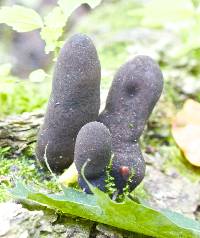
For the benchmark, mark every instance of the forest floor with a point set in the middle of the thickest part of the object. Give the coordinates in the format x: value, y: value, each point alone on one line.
x: 170, y: 181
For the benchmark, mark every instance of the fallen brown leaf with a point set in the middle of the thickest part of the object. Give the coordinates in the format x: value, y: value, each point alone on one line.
x: 186, y: 131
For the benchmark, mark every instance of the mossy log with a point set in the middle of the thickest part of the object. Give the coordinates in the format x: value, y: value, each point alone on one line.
x: 165, y: 188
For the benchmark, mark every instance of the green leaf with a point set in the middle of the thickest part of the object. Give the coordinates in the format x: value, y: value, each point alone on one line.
x: 20, y: 18
x: 69, y: 6
x: 53, y: 28
x: 55, y: 21
x: 128, y: 215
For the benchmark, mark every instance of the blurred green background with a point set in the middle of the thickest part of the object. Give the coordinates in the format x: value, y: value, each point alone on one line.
x: 168, y: 31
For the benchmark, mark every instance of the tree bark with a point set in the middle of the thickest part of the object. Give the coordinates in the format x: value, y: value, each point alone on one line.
x: 19, y: 132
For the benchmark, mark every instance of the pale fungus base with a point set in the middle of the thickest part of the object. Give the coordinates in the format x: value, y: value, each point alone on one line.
x: 70, y: 176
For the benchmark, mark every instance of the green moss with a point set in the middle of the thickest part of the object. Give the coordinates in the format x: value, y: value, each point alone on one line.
x: 18, y: 96
x: 111, y: 189
x: 110, y: 185
x: 26, y: 169
x: 4, y: 151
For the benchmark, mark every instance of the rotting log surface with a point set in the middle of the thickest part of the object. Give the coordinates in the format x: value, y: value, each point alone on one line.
x: 18, y: 222
x: 19, y: 132
x: 166, y: 188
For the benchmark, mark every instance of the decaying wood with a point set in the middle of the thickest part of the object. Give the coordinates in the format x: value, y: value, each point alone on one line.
x: 19, y: 132
x: 17, y: 222
x: 166, y: 189
x: 169, y: 189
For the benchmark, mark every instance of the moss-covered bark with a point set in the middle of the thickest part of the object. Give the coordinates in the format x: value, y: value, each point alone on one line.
x: 163, y: 188
x: 19, y: 132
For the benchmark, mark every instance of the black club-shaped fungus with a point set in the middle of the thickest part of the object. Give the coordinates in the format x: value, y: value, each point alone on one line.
x: 135, y: 90
x: 74, y: 101
x: 93, y: 149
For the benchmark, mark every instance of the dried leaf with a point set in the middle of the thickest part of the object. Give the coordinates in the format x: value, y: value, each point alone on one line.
x: 186, y: 131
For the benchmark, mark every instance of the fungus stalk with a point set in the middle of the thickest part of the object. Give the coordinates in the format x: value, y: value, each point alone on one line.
x: 134, y: 92
x: 74, y: 101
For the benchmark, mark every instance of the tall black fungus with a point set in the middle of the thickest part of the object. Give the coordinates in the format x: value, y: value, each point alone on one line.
x: 74, y: 101
x: 93, y: 148
x: 134, y: 92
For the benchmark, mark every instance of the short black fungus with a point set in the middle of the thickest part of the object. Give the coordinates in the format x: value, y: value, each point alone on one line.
x: 74, y: 101
x: 135, y: 90
x: 93, y: 149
